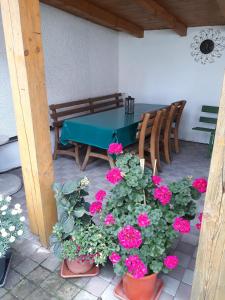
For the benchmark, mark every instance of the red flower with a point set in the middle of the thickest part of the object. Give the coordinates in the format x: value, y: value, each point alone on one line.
x: 163, y: 194
x: 109, y: 220
x: 129, y: 237
x: 200, y: 184
x: 114, y: 257
x: 143, y: 220
x: 171, y: 262
x: 114, y: 175
x: 95, y: 207
x: 156, y: 180
x: 181, y: 225
x: 135, y: 266
x: 198, y: 225
x: 115, y: 148
x: 100, y: 195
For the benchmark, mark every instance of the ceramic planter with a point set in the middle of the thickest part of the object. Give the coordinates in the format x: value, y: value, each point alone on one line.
x: 4, y: 267
x: 146, y: 288
x: 76, y: 266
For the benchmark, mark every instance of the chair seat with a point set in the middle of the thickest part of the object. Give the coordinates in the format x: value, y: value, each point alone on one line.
x: 205, y: 129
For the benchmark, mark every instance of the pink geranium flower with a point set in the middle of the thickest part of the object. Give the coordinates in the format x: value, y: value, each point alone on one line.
x: 156, y: 180
x: 171, y: 262
x: 163, y: 194
x: 200, y: 184
x: 198, y: 225
x: 109, y: 220
x: 143, y: 220
x: 100, y: 195
x: 114, y: 257
x: 135, y: 266
x: 181, y: 225
x: 114, y: 175
x: 129, y: 237
x: 115, y: 148
x: 95, y: 207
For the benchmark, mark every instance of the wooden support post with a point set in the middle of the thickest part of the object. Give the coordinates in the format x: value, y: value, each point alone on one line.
x: 209, y: 275
x: 22, y: 30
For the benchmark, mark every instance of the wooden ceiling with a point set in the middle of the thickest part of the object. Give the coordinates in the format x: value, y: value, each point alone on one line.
x: 135, y: 16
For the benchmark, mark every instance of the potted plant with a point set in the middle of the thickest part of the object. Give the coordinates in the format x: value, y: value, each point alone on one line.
x: 144, y: 216
x: 11, y: 228
x: 75, y: 238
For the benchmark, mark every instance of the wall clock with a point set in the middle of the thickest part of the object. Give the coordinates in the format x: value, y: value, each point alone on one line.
x: 207, y: 46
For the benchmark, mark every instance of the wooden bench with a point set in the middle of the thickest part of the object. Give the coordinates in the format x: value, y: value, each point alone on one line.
x: 62, y: 111
x: 208, y: 120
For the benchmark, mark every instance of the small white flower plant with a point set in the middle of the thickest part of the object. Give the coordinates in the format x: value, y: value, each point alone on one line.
x: 11, y: 223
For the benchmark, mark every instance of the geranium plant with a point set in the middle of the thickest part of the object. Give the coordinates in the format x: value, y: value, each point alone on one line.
x: 11, y: 223
x: 143, y: 216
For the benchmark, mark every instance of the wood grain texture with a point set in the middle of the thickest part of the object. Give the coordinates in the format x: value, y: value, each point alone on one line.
x: 221, y: 4
x: 22, y: 30
x: 209, y: 283
x: 160, y: 12
x: 97, y: 14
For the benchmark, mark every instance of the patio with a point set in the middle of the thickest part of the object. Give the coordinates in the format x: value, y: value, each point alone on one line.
x: 35, y: 270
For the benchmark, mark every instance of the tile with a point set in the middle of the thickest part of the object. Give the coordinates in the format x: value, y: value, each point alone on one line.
x: 170, y: 285
x: 80, y: 282
x: 23, y: 289
x: 190, y: 239
x: 8, y: 297
x: 40, y: 255
x: 191, y: 265
x: 184, y: 259
x: 39, y: 294
x: 109, y: 293
x: 96, y: 286
x: 38, y: 275
x: 83, y: 295
x: 67, y: 291
x: 185, y: 248
x: 116, y: 280
x: 51, y: 263
x: 2, y: 292
x: 12, y: 279
x: 188, y: 277
x: 107, y: 272
x: 195, y: 253
x: 27, y: 247
x: 17, y: 258
x: 26, y: 266
x: 165, y: 296
x: 183, y: 292
x: 177, y: 273
x: 52, y: 283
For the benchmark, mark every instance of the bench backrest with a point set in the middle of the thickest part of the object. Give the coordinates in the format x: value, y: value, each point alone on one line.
x: 209, y: 110
x: 72, y: 109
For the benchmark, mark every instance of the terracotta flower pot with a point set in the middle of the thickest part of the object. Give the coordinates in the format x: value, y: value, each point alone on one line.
x: 77, y: 266
x: 140, y: 289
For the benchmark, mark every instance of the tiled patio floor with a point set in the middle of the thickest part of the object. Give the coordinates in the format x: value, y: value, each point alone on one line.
x: 34, y: 272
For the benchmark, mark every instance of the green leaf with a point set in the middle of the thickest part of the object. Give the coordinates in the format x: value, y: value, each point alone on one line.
x: 68, y: 225
x: 69, y: 187
x: 79, y: 212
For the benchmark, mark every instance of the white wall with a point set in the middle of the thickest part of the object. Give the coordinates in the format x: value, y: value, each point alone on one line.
x: 160, y: 69
x: 81, y: 60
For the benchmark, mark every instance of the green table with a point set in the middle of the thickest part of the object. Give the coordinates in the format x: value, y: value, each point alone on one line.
x: 103, y: 128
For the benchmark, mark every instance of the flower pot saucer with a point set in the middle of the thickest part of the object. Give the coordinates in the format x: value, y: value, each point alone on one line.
x: 119, y: 292
x: 66, y: 273
x: 8, y: 259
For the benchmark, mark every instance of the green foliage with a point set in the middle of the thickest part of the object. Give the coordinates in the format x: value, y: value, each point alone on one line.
x: 135, y: 195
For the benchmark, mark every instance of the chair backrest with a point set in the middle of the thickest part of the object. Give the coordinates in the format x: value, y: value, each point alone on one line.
x: 150, y: 125
x: 209, y: 110
x: 180, y: 107
x: 169, y: 118
x: 62, y: 111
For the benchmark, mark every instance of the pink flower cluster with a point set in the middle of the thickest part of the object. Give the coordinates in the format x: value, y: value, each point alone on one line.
x: 109, y: 220
x: 143, y: 220
x: 135, y: 266
x: 163, y: 194
x: 115, y: 148
x: 181, y: 225
x: 198, y: 225
x: 100, y: 195
x: 200, y: 184
x: 171, y: 262
x: 114, y: 257
x: 129, y: 237
x: 114, y: 175
x: 156, y: 180
x: 95, y: 207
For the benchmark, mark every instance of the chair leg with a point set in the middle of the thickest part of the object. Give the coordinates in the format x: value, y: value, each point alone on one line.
x: 87, y: 156
x: 77, y: 155
x: 55, y: 151
x: 176, y: 141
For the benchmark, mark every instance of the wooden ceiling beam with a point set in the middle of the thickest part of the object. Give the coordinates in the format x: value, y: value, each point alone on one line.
x: 221, y: 4
x: 160, y: 12
x: 96, y: 14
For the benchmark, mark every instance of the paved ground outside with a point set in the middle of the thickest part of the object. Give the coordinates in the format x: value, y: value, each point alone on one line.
x: 34, y: 271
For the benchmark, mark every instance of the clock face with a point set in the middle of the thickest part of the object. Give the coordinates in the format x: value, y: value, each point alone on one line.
x: 207, y: 46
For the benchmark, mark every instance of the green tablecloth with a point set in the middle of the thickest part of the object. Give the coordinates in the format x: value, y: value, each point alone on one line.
x: 103, y: 128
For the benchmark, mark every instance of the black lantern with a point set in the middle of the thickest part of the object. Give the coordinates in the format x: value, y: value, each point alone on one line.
x: 129, y: 105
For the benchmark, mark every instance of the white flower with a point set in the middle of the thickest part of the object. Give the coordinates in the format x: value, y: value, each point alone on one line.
x: 84, y: 182
x: 12, y: 228
x: 8, y: 198
x: 17, y: 206
x: 12, y: 239
x: 19, y: 211
x: 1, y: 198
x: 2, y: 230
x: 22, y: 219
x: 14, y: 212
x: 4, y: 234
x: 20, y: 232
x: 3, y: 213
x: 4, y: 207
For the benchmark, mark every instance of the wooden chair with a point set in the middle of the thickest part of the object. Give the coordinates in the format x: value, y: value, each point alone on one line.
x: 165, y: 141
x: 72, y: 109
x: 175, y: 129
x: 149, y: 137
